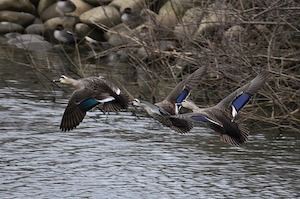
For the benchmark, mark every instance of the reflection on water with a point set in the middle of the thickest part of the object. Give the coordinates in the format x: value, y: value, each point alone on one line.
x: 122, y: 156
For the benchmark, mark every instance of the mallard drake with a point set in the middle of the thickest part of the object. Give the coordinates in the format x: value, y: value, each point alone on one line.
x: 90, y: 92
x: 221, y: 116
x: 161, y: 111
x: 63, y: 35
x: 65, y: 6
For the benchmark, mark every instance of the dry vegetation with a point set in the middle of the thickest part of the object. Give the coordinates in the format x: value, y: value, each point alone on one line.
x: 239, y: 40
x: 263, y: 35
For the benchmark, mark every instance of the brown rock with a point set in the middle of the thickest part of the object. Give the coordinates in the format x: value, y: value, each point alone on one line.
x: 105, y: 16
x: 6, y: 27
x: 22, y: 18
x: 20, y: 5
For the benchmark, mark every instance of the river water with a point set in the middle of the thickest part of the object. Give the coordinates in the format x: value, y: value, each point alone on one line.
x: 122, y: 155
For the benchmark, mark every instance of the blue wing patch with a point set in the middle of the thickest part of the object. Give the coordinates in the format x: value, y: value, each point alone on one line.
x: 88, y: 104
x: 239, y: 102
x: 182, y: 96
x: 201, y: 118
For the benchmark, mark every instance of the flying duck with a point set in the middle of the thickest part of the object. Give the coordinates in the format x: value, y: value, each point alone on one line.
x: 221, y: 117
x: 162, y: 111
x: 90, y: 92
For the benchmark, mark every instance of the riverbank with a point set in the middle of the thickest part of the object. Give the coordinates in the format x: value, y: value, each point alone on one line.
x: 169, y: 39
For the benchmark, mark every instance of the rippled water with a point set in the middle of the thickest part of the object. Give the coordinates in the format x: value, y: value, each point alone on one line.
x: 123, y: 156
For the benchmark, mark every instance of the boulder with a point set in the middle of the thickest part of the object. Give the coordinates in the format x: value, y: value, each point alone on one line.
x: 135, y: 5
x: 22, y: 18
x: 43, y: 5
x: 98, y: 2
x: 81, y: 7
x: 30, y: 42
x: 148, y: 15
x: 38, y: 29
x: 189, y: 24
x: 234, y: 33
x: 119, y: 35
x: 104, y: 16
x: 18, y: 5
x: 170, y: 13
x: 51, y: 11
x: 67, y: 22
x: 218, y: 14
x: 83, y: 30
x: 6, y: 27
x: 11, y: 35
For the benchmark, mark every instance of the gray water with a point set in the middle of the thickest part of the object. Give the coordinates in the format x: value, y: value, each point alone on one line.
x: 125, y: 156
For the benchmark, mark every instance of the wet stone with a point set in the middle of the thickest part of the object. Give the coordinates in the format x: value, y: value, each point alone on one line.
x: 107, y: 16
x: 22, y: 18
x: 35, y: 29
x: 6, y: 27
x: 20, y: 5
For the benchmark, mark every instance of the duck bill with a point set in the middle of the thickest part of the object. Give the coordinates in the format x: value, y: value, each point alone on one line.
x: 56, y: 80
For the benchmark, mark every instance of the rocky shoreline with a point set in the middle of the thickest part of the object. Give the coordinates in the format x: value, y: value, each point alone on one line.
x: 234, y: 38
x: 152, y: 22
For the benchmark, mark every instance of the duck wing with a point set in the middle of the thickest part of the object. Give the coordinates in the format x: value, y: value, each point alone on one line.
x: 110, y: 95
x: 79, y: 103
x: 182, y: 91
x: 230, y: 132
x: 241, y: 96
x: 180, y: 125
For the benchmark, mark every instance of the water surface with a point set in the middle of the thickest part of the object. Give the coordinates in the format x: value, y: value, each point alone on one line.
x: 125, y: 156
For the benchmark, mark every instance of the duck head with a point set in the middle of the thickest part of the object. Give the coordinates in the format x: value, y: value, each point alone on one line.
x: 66, y: 80
x: 189, y: 105
x: 141, y: 103
x: 62, y: 79
x: 136, y: 102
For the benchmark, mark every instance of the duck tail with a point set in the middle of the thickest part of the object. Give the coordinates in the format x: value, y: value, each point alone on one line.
x: 236, y: 141
x: 181, y: 125
x: 121, y: 102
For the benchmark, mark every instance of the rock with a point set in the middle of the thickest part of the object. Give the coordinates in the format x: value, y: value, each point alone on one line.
x: 148, y: 15
x: 19, y: 38
x: 22, y: 18
x: 81, y: 7
x: 35, y: 2
x: 131, y: 19
x: 170, y: 13
x: 6, y: 27
x: 135, y: 5
x: 242, y: 4
x: 98, y: 2
x: 142, y: 53
x: 18, y: 5
x: 38, y: 29
x: 43, y: 5
x: 107, y: 16
x: 67, y: 22
x: 51, y: 12
x: 189, y: 24
x: 118, y: 35
x: 83, y: 30
x: 12, y: 35
x: 234, y: 33
x: 30, y: 42
x: 217, y: 15
x: 119, y: 56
